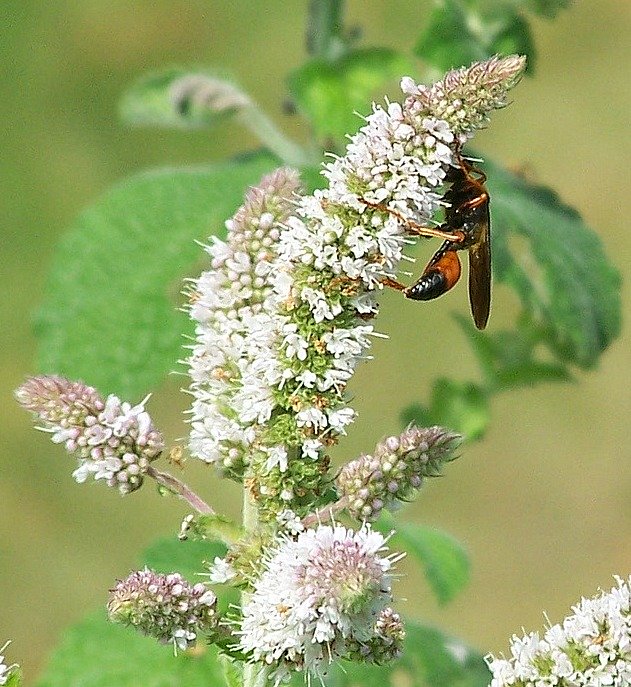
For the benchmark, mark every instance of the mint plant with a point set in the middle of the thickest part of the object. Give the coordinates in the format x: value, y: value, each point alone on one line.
x: 303, y: 588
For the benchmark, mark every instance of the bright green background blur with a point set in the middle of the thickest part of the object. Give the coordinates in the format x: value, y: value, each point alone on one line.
x: 542, y: 504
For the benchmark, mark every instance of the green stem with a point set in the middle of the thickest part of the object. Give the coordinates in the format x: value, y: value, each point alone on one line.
x: 253, y: 118
x: 324, y: 26
x: 251, y: 671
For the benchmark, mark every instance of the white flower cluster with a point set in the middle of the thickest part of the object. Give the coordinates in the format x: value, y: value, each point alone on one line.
x: 590, y: 648
x: 311, y: 269
x: 232, y: 367
x: 319, y: 593
x: 113, y: 440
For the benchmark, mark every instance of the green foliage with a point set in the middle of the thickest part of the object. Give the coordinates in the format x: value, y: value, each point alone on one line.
x: 330, y: 93
x: 461, y: 406
x: 565, y: 282
x: 15, y: 678
x: 430, y: 659
x: 98, y: 653
x: 463, y: 31
x: 569, y: 291
x: 111, y: 313
x: 187, y: 557
x: 444, y: 560
x: 181, y: 98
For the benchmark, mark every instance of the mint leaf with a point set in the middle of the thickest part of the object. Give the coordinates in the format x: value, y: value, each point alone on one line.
x: 461, y: 406
x: 430, y: 659
x: 181, y: 98
x: 98, y: 653
x: 330, y: 93
x: 444, y: 559
x: 186, y: 557
x: 459, y: 33
x: 111, y: 314
x: 557, y: 266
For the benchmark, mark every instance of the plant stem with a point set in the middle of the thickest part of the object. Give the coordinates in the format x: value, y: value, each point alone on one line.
x: 324, y: 26
x: 253, y: 118
x: 180, y: 489
x: 325, y: 514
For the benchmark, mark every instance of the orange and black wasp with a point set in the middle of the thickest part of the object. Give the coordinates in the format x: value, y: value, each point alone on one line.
x: 467, y: 225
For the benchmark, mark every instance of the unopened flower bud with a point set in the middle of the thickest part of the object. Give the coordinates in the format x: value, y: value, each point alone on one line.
x: 395, y: 471
x: 163, y: 606
x: 112, y: 440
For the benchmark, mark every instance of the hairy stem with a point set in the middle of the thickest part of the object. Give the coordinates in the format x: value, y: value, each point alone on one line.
x: 180, y: 489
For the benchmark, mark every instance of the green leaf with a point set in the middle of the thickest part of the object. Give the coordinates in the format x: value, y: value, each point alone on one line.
x: 232, y: 671
x: 111, y: 314
x: 98, y: 653
x: 557, y: 266
x: 444, y: 559
x: 430, y: 659
x: 186, y: 557
x: 15, y: 678
x: 461, y: 406
x: 460, y: 32
x: 181, y: 98
x: 512, y: 359
x: 330, y: 93
x: 546, y: 8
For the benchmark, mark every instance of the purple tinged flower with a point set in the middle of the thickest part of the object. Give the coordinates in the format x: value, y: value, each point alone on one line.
x: 112, y: 440
x: 163, y: 606
x: 321, y: 594
x: 395, y: 470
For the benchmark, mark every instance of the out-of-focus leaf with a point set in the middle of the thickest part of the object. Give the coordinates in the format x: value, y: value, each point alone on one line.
x: 15, y: 678
x: 97, y: 653
x: 330, y: 93
x: 111, y: 312
x: 460, y: 32
x: 557, y: 266
x: 461, y: 406
x: 430, y: 659
x: 444, y: 559
x: 546, y: 8
x: 511, y: 359
x: 185, y: 557
x: 181, y: 98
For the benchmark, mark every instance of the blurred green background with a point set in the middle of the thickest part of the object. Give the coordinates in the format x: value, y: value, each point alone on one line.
x: 542, y: 503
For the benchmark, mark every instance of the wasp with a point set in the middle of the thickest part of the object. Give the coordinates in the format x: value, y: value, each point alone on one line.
x: 466, y: 226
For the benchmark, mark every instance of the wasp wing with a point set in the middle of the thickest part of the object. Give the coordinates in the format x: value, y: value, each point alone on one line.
x: 480, y: 269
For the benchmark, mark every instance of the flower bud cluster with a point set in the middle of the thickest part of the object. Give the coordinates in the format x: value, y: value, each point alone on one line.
x: 166, y: 607
x: 232, y: 367
x: 113, y: 440
x: 395, y: 470
x: 5, y: 670
x: 387, y: 643
x: 320, y: 596
x: 591, y: 647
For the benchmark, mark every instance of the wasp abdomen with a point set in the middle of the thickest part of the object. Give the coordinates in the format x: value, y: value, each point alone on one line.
x: 439, y: 276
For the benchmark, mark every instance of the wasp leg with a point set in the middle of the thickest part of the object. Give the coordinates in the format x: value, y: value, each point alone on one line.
x: 393, y: 284
x: 418, y: 229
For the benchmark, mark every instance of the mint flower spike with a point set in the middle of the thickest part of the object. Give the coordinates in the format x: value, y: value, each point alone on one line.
x: 233, y: 374
x: 395, y: 471
x: 590, y: 648
x: 163, y: 606
x: 5, y: 670
x: 321, y: 596
x: 113, y: 440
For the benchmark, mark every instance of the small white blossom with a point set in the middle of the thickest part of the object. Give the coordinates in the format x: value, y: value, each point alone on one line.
x: 221, y: 571
x: 590, y: 648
